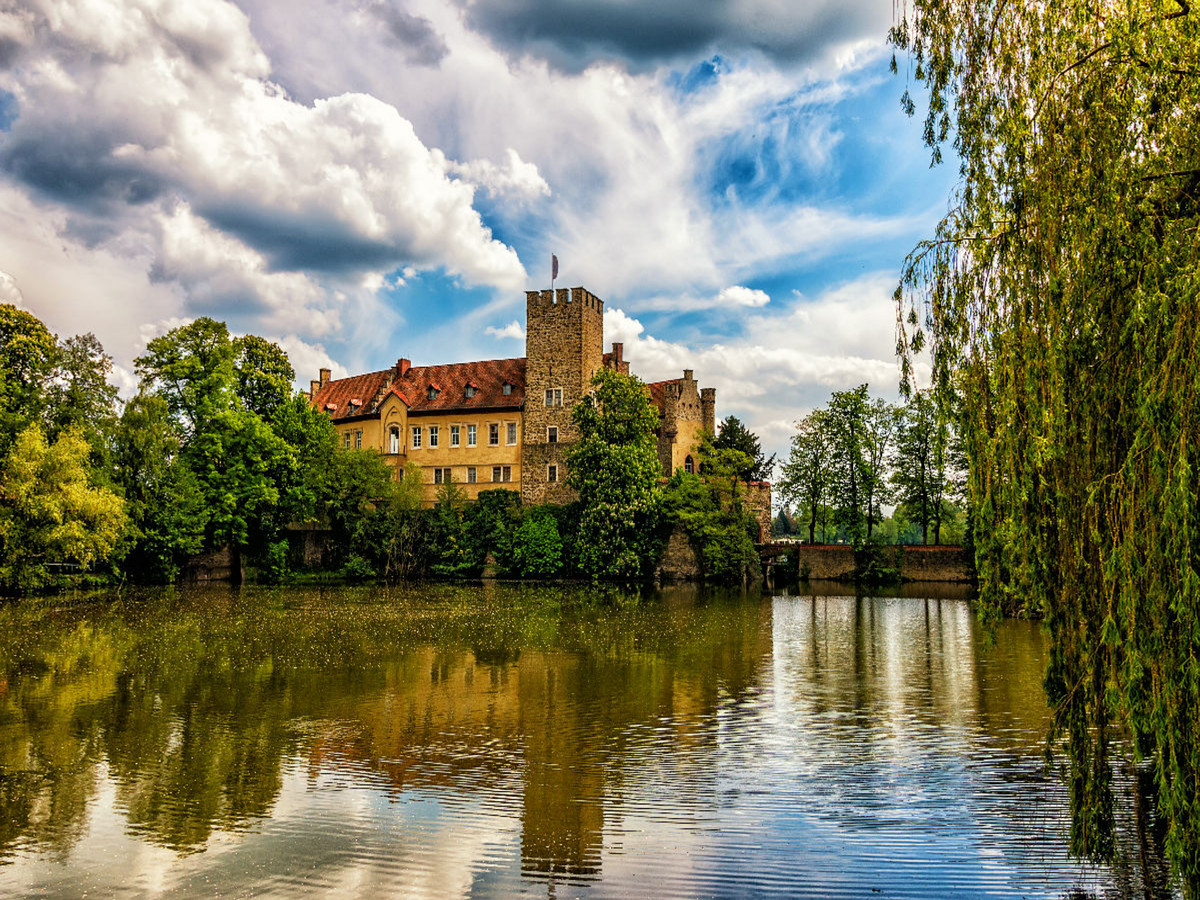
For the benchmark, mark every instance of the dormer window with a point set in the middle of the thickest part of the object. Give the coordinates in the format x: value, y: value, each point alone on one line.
x: 431, y: 393
x: 331, y: 407
x: 469, y: 391
x: 506, y: 388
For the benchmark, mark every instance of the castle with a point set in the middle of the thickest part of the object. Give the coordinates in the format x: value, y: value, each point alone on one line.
x: 506, y: 423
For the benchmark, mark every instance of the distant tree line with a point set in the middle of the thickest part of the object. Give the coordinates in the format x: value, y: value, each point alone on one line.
x: 857, y: 455
x: 217, y: 451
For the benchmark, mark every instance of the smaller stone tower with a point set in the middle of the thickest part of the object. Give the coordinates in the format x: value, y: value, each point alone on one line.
x: 564, y: 346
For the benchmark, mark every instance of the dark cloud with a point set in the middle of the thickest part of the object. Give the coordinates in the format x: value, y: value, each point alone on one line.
x: 293, y: 242
x: 78, y: 168
x: 414, y: 35
x: 572, y: 34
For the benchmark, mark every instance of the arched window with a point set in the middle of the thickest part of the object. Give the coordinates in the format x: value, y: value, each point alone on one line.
x: 394, y: 439
x: 689, y: 466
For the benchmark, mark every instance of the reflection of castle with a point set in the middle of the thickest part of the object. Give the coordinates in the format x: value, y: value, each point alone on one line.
x: 506, y: 422
x: 557, y: 722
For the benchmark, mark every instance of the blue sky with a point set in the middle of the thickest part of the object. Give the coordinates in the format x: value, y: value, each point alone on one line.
x: 368, y: 179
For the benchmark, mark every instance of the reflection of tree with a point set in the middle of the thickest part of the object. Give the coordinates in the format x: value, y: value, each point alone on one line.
x: 195, y: 701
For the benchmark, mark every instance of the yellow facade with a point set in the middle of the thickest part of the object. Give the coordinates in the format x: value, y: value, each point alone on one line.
x: 456, y: 444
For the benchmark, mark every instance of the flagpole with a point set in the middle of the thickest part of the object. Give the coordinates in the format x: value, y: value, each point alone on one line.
x: 553, y: 273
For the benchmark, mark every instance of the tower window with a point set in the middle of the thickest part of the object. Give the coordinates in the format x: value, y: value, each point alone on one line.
x: 554, y: 397
x: 689, y: 466
x: 552, y: 434
x: 552, y: 474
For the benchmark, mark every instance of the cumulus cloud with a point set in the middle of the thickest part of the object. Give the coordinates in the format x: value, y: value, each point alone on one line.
x: 9, y: 292
x: 516, y: 181
x: 574, y: 34
x: 512, y: 330
x: 125, y: 104
x: 787, y: 362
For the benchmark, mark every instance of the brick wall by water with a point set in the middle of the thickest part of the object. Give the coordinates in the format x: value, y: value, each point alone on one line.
x: 835, y: 562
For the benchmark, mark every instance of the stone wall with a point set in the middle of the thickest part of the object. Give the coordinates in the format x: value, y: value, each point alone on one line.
x: 564, y: 346
x: 758, y: 502
x: 835, y: 562
x: 679, y: 561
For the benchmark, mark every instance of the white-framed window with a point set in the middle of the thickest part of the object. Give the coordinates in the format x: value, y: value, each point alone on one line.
x: 689, y: 466
x: 552, y: 473
x: 433, y: 435
x: 506, y: 388
x: 469, y: 391
x: 501, y: 473
x: 455, y: 435
x: 358, y: 440
x: 394, y: 439
x: 472, y: 435
x: 552, y: 434
x: 554, y: 396
x: 494, y: 434
x: 511, y: 435
x: 471, y: 475
x: 416, y: 437
x: 346, y: 440
x: 442, y: 475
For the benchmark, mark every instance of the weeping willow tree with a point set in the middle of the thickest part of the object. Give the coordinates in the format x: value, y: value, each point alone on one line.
x: 1060, y: 303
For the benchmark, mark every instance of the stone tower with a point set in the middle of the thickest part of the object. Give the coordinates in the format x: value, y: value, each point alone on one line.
x: 564, y: 346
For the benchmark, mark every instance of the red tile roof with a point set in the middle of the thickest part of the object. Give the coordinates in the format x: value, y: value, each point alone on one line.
x: 487, y: 377
x: 658, y: 391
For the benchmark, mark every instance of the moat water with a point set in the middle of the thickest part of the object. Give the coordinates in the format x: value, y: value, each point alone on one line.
x: 500, y: 741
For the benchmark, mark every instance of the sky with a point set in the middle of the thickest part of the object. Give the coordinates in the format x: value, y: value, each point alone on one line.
x: 362, y: 180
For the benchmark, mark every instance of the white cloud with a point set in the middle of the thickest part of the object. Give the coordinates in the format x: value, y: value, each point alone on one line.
x: 512, y: 330
x: 9, y: 292
x: 738, y: 296
x: 787, y: 362
x: 517, y: 182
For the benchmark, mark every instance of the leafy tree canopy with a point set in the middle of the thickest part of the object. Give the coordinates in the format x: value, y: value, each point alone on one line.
x: 1059, y: 298
x: 614, y: 467
x: 733, y: 435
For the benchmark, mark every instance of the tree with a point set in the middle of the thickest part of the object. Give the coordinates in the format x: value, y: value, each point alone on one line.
x: 52, y: 512
x: 733, y: 435
x: 28, y: 355
x: 879, y: 428
x: 844, y: 423
x: 807, y: 474
x: 537, y: 546
x: 263, y: 375
x: 921, y: 463
x: 167, y: 513
x: 1059, y: 301
x: 614, y: 467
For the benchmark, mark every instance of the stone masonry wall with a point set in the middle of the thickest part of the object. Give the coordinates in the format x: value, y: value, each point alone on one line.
x: 564, y: 346
x: 835, y: 562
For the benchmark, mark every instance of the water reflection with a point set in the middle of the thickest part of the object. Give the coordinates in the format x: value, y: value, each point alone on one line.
x: 448, y: 741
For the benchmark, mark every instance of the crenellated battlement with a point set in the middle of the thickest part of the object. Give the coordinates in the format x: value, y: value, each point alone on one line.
x: 576, y: 297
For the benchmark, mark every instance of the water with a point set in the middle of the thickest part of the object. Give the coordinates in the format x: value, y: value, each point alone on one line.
x: 497, y: 741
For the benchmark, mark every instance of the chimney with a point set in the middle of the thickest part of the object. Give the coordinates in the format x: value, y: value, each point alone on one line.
x: 325, y: 376
x: 403, y: 365
x: 618, y: 352
x: 313, y: 387
x: 687, y: 375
